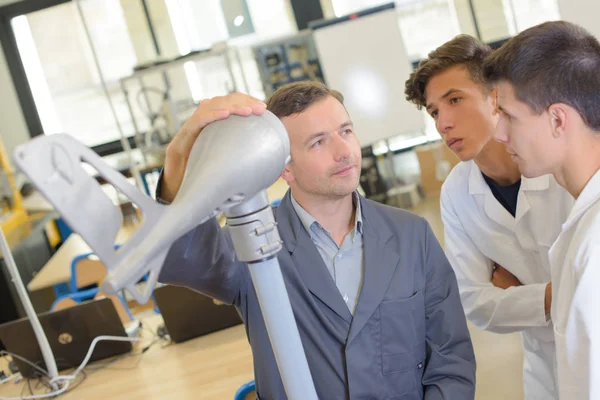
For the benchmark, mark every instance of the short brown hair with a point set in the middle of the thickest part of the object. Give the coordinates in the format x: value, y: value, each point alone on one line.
x: 463, y: 50
x: 554, y: 62
x: 296, y: 97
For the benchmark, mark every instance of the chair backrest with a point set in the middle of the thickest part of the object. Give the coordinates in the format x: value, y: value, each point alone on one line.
x: 246, y: 392
x: 89, y: 272
x: 124, y: 315
x: 85, y: 271
x: 63, y: 303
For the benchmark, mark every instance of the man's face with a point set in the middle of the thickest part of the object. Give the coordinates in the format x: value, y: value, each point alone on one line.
x: 528, y: 137
x: 326, y: 155
x: 464, y: 114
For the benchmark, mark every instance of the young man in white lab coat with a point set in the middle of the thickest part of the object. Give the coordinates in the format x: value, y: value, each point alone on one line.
x: 498, y: 225
x: 556, y: 129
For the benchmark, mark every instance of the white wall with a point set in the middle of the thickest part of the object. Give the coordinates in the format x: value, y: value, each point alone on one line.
x: 582, y: 12
x: 492, y: 19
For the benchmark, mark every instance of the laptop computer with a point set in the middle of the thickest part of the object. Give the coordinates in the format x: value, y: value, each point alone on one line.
x: 70, y: 333
x: 189, y: 314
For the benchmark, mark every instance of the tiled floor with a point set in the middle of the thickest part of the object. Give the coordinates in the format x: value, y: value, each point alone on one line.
x: 499, y: 357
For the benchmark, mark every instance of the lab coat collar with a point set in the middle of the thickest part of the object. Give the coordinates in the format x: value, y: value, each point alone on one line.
x: 529, y: 185
x: 588, y: 197
x: 493, y: 208
x: 477, y: 184
x: 533, y: 184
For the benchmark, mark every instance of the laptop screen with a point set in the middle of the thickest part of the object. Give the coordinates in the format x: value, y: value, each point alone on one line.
x: 70, y: 333
x: 189, y: 314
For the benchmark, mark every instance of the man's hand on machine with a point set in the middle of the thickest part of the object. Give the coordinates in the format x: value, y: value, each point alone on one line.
x: 209, y: 110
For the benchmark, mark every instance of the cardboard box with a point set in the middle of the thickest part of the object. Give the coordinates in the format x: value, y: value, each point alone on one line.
x: 436, y: 160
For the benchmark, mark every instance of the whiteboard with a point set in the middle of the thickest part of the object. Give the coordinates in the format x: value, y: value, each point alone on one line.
x: 583, y: 13
x: 364, y: 58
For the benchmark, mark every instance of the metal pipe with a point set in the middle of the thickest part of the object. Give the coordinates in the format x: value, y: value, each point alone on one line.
x: 124, y: 142
x: 256, y: 241
x: 31, y: 314
x: 475, y: 24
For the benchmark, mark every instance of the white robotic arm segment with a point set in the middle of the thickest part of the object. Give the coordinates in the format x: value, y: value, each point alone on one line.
x: 231, y: 161
x: 54, y: 166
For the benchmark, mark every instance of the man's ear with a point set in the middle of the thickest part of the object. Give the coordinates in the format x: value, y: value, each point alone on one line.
x: 494, y: 96
x: 287, y: 174
x: 558, y: 119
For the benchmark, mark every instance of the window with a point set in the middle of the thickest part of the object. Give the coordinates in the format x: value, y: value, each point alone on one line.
x: 425, y: 24
x: 62, y: 74
x: 528, y: 13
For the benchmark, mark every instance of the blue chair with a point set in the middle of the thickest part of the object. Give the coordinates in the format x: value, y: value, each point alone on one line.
x: 89, y: 286
x: 275, y: 203
x: 85, y: 288
x: 63, y: 229
x: 245, y: 390
x: 96, y: 269
x: 61, y: 289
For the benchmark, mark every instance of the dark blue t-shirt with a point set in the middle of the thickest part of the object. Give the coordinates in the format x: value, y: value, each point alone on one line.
x: 506, y: 195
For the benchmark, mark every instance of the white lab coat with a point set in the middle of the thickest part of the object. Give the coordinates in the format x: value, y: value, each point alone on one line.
x: 480, y: 231
x: 575, y: 262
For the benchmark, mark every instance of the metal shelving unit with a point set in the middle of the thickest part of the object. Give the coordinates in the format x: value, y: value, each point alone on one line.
x: 289, y: 59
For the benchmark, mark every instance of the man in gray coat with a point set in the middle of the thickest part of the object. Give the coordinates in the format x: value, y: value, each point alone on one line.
x: 375, y: 299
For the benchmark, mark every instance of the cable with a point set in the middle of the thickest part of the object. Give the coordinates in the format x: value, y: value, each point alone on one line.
x: 13, y: 355
x: 64, y: 381
x: 122, y: 357
x: 163, y: 334
x: 44, y: 373
x: 41, y: 396
x: 63, y: 364
x: 89, y: 355
x: 147, y: 329
x: 42, y: 381
x: 10, y: 378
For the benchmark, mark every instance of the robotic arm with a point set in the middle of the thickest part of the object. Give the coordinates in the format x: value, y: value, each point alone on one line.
x: 231, y: 162
x: 231, y: 165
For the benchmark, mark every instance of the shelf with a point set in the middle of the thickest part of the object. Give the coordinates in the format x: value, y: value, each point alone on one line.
x: 163, y: 66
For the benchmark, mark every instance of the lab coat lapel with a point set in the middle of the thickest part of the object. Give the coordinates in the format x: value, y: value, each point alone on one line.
x: 492, y: 207
x: 588, y: 197
x: 529, y: 185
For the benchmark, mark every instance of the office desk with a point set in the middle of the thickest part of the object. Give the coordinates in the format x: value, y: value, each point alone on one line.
x: 58, y: 268
x: 207, y: 367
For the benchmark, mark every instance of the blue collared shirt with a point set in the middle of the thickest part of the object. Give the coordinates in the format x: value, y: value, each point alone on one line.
x: 346, y: 262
